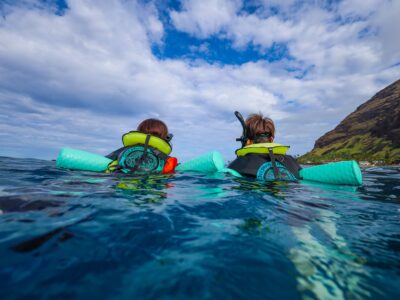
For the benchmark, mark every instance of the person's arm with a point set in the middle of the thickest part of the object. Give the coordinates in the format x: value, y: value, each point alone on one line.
x: 114, y: 155
x: 291, y: 164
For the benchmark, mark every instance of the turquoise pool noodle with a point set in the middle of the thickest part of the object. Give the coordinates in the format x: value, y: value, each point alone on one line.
x: 231, y: 171
x: 342, y: 172
x: 207, y: 163
x: 74, y: 159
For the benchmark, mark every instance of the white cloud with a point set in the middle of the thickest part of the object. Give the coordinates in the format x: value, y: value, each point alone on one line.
x: 84, y: 78
x: 204, y: 17
x: 95, y: 65
x: 325, y: 39
x: 39, y: 129
x: 386, y: 21
x: 251, y: 29
x: 362, y: 8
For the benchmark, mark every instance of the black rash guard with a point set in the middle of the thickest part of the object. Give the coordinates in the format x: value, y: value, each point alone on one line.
x: 249, y: 164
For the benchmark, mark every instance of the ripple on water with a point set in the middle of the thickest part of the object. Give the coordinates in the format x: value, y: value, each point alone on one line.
x: 80, y: 235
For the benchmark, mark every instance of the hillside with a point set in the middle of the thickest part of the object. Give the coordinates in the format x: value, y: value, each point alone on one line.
x: 370, y: 133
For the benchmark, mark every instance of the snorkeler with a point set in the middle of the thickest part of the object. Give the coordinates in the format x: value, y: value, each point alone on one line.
x: 259, y: 156
x: 145, y: 151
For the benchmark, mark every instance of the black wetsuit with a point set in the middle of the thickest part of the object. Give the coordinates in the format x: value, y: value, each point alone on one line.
x: 249, y: 164
x: 114, y: 155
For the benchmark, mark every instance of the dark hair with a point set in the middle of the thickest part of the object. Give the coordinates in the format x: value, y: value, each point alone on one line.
x: 154, y: 127
x: 260, y: 129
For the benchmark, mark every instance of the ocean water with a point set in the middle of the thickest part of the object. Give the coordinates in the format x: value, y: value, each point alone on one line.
x: 81, y: 235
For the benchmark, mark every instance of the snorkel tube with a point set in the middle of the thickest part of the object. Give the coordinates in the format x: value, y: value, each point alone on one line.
x: 243, y: 139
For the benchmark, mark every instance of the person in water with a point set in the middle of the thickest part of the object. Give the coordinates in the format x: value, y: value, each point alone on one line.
x: 145, y: 150
x: 259, y: 156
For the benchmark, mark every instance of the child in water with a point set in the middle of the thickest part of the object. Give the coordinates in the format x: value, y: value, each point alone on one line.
x: 259, y: 156
x: 145, y: 150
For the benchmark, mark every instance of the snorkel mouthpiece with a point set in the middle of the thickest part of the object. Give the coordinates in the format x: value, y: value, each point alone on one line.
x: 243, y: 139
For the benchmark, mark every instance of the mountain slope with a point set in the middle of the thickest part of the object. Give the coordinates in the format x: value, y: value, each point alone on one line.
x: 371, y: 132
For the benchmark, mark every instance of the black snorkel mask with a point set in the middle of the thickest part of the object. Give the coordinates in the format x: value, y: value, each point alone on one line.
x: 169, y: 137
x: 243, y: 139
x: 260, y: 138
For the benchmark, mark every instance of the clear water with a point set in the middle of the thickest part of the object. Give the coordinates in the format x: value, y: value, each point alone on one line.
x: 80, y: 235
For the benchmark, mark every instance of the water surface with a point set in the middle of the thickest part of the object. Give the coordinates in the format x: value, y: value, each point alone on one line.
x: 76, y: 235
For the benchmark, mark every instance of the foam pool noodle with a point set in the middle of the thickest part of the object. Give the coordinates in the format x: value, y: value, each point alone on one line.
x: 207, y: 163
x: 342, y: 172
x: 74, y: 159
x: 231, y: 171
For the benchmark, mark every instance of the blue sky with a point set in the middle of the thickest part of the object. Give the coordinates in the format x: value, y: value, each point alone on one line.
x: 80, y: 73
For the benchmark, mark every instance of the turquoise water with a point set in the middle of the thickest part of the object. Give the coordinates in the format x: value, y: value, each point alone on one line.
x: 75, y: 235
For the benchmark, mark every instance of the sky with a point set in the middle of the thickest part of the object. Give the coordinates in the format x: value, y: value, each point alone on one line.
x: 80, y: 73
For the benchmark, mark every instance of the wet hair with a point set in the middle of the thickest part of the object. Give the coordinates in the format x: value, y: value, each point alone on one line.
x: 260, y: 129
x: 154, y: 127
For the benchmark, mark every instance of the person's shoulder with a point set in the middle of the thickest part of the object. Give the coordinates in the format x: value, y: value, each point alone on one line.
x: 114, y: 155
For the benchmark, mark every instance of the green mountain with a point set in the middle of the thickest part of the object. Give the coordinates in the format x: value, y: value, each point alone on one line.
x: 370, y: 133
